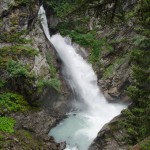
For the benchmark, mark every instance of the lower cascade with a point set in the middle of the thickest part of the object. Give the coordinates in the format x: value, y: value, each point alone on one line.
x: 91, y: 111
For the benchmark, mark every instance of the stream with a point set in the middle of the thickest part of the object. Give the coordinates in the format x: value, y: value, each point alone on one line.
x: 91, y: 111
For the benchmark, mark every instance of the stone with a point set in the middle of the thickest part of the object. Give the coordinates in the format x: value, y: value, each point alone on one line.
x: 4, y: 5
x: 53, y: 146
x: 109, y: 139
x: 62, y: 146
x: 113, y: 92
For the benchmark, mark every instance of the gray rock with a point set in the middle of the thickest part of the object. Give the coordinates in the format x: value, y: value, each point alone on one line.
x: 109, y: 138
x: 4, y: 5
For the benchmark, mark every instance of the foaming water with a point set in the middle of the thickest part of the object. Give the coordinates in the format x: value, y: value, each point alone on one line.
x: 92, y: 110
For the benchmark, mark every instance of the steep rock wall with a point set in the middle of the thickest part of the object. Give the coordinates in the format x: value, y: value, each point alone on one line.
x: 22, y: 40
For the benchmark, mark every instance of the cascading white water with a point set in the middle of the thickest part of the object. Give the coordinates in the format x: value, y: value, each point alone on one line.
x: 91, y: 111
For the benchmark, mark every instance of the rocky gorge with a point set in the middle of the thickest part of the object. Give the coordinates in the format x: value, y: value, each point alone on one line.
x: 39, y: 79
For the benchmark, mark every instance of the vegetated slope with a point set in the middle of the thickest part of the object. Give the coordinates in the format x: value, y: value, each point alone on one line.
x: 30, y: 85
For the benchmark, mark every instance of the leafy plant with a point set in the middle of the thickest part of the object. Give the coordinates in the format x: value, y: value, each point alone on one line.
x: 16, y: 69
x: 16, y: 49
x: 138, y: 120
x: 12, y: 102
x: 111, y: 69
x: 51, y: 83
x: 16, y: 37
x: 2, y: 83
x: 24, y: 2
x: 63, y: 7
x: 145, y: 144
x: 7, y: 124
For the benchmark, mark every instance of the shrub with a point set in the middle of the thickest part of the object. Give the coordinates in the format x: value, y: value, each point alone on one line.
x: 145, y: 144
x: 62, y: 7
x: 51, y: 83
x: 16, y: 69
x: 2, y: 83
x: 12, y: 102
x: 7, y: 124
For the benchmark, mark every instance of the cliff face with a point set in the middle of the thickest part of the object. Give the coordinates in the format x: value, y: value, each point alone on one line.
x: 29, y: 68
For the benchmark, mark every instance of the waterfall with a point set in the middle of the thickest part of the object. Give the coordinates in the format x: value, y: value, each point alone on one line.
x: 91, y: 110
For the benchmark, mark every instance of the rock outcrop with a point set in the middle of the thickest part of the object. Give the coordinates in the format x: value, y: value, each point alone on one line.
x: 20, y: 26
x: 110, y: 137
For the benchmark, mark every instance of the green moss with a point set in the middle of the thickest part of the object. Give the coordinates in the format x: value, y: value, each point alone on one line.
x: 7, y: 124
x: 11, y: 102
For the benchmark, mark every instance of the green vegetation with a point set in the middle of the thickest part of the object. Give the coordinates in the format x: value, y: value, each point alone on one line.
x: 87, y: 40
x: 16, y: 49
x: 112, y: 68
x: 17, y: 69
x: 2, y: 83
x: 51, y: 83
x: 7, y: 124
x: 145, y: 144
x: 20, y: 139
x: 61, y: 8
x: 54, y: 81
x: 107, y: 14
x: 137, y: 122
x: 12, y: 102
x: 14, y: 37
x: 52, y: 66
x: 18, y: 90
x: 24, y: 2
